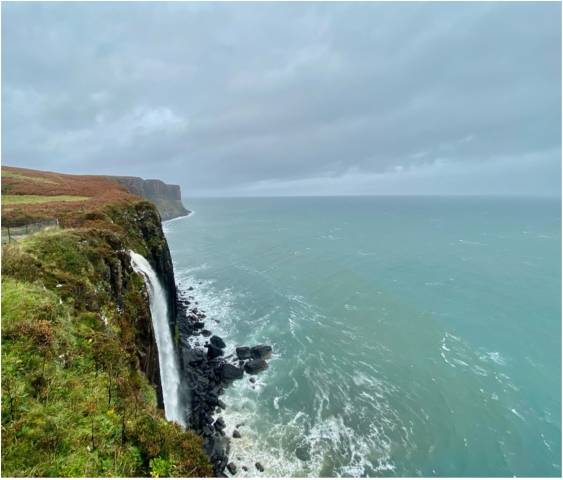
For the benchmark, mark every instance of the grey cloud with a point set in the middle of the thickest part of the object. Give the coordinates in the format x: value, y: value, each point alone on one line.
x: 251, y: 98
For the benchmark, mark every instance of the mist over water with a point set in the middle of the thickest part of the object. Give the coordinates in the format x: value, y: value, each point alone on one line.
x: 412, y: 336
x: 168, y: 363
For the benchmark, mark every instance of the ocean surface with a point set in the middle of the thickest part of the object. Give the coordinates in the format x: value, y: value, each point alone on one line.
x: 412, y: 335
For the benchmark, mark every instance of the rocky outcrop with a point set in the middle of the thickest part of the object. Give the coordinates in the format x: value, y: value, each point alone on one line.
x: 207, y: 373
x: 167, y: 198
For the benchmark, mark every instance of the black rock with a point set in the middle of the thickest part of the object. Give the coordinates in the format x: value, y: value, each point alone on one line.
x: 232, y: 468
x: 252, y: 379
x: 243, y: 353
x: 217, y: 341
x: 213, y: 351
x: 190, y: 288
x: 230, y: 372
x: 259, y: 466
x: 255, y: 366
x: 219, y: 424
x: 245, y: 469
x: 212, y: 399
x: 261, y: 352
x: 221, y: 404
x: 302, y: 453
x: 206, y: 333
x: 236, y: 434
x: 192, y: 356
x: 197, y: 325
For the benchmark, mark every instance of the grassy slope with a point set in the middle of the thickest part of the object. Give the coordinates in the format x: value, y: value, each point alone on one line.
x: 74, y: 400
x: 96, y: 192
x: 23, y: 199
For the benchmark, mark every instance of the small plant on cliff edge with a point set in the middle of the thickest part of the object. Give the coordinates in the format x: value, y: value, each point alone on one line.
x: 160, y: 467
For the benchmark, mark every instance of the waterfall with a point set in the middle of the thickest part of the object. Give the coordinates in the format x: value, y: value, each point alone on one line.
x: 169, y: 376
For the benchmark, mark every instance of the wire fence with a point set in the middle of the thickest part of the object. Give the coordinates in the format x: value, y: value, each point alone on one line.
x: 11, y: 234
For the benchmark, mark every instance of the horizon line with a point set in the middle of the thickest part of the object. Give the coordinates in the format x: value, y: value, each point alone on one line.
x: 390, y: 195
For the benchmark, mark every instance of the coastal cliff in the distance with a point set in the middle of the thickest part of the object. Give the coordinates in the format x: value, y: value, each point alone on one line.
x: 167, y: 198
x: 80, y: 369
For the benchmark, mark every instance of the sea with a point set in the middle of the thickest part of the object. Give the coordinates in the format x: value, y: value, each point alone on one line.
x: 412, y: 336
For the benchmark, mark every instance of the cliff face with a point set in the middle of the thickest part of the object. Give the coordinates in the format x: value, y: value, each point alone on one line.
x: 167, y: 198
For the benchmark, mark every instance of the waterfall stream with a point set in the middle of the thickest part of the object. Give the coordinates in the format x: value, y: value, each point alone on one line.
x: 169, y: 375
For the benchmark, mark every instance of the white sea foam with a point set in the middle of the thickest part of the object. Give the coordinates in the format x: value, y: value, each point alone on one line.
x: 472, y: 242
x: 166, y: 223
x: 515, y: 412
x: 495, y: 357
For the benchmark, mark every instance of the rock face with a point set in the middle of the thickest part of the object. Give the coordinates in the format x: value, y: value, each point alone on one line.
x: 142, y: 221
x: 230, y: 372
x: 255, y: 366
x: 167, y: 198
x: 261, y: 352
x: 243, y: 353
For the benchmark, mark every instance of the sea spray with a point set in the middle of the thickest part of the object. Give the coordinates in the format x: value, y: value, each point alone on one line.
x: 169, y: 375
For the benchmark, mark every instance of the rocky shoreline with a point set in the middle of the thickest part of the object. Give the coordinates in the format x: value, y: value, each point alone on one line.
x: 207, y: 372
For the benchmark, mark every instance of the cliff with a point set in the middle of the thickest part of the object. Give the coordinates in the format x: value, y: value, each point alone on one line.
x: 167, y: 198
x: 80, y: 373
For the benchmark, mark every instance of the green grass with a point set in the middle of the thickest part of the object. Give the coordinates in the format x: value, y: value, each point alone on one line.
x: 26, y: 199
x: 74, y: 401
x: 19, y: 176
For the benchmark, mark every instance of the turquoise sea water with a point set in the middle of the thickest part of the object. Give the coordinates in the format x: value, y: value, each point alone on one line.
x: 412, y: 336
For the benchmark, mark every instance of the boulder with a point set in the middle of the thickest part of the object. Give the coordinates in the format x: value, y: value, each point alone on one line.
x: 206, y: 333
x: 197, y: 325
x: 261, y: 352
x: 236, y: 434
x: 219, y: 424
x: 230, y: 372
x: 213, y: 351
x: 252, y: 379
x: 255, y: 366
x: 212, y: 399
x: 243, y: 353
x: 217, y: 341
x: 192, y: 356
x: 302, y: 453
x: 259, y: 466
x: 232, y: 468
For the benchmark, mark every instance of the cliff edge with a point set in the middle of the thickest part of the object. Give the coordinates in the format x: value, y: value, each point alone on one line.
x: 80, y: 370
x: 167, y: 198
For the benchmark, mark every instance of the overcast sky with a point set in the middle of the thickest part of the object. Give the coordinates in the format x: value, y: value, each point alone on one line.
x: 280, y: 98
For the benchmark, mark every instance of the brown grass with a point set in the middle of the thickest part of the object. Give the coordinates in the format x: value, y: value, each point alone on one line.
x: 100, y: 190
